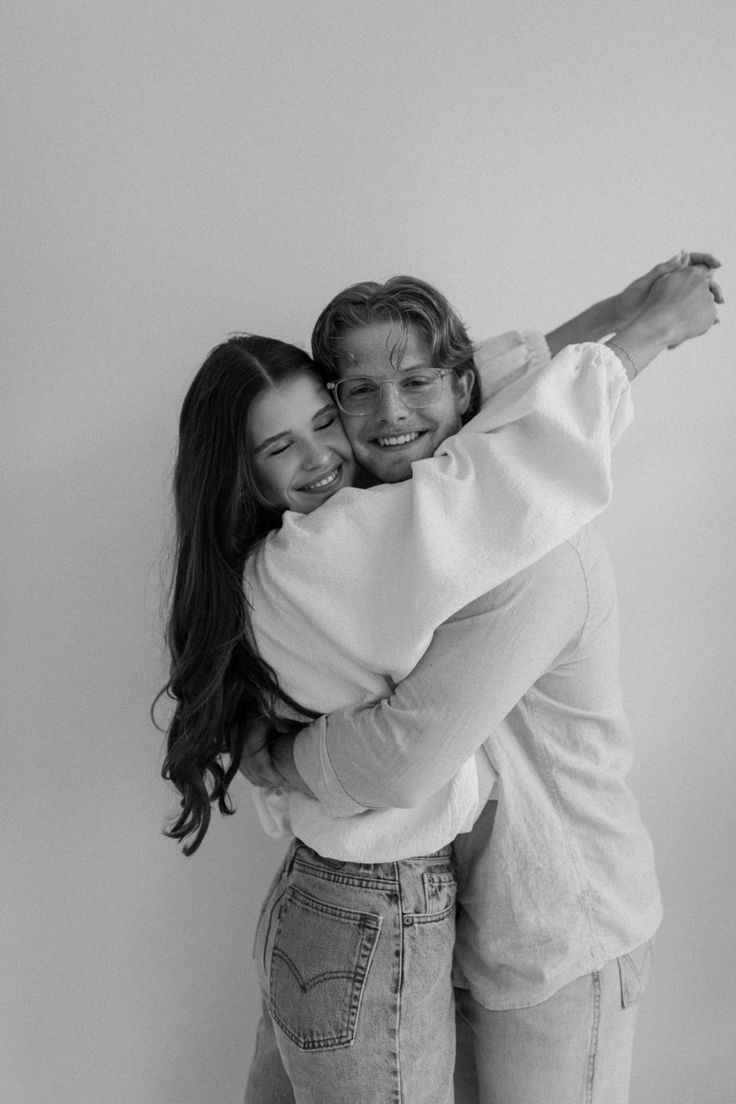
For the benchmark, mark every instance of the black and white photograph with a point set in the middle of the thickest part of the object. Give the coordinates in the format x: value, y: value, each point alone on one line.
x: 369, y: 552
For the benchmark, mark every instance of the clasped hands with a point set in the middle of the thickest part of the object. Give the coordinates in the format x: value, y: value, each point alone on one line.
x: 268, y: 755
x: 632, y: 300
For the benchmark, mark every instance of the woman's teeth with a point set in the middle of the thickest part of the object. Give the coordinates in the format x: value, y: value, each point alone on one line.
x: 403, y: 439
x: 320, y: 484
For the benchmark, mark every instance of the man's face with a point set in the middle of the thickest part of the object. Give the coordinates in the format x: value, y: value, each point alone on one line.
x: 388, y: 439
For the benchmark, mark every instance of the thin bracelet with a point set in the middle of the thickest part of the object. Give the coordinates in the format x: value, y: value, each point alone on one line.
x: 632, y: 362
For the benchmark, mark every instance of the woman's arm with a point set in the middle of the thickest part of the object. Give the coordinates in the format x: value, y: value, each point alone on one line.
x: 374, y: 572
x: 679, y: 306
x: 398, y: 751
x: 481, y: 662
x: 371, y: 574
x: 611, y: 315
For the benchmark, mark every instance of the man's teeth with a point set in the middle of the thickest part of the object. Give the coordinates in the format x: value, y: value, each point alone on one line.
x: 324, y: 482
x: 403, y: 439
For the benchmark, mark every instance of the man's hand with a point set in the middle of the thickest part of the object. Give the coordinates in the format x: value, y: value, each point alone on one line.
x: 633, y: 299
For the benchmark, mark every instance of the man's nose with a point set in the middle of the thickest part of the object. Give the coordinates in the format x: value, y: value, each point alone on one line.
x: 390, y: 407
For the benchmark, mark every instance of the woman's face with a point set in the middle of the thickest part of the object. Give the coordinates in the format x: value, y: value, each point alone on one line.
x: 300, y: 453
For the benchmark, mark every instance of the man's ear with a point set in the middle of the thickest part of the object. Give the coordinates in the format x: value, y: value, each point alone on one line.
x: 463, y: 385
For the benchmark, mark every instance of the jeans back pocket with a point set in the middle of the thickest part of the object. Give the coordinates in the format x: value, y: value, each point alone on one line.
x: 319, y: 966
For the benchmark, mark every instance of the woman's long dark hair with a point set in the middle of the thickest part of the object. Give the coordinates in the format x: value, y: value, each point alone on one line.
x: 217, y: 678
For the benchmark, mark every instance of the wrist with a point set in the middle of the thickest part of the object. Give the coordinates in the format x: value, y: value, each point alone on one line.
x: 643, y: 340
x: 613, y: 314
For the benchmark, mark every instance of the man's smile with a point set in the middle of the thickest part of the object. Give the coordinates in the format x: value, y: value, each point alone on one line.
x: 399, y: 439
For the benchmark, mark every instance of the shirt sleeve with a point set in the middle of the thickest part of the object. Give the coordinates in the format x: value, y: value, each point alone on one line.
x: 397, y: 752
x: 375, y: 571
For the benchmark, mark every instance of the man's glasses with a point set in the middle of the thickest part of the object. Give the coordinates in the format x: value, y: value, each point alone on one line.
x: 361, y: 394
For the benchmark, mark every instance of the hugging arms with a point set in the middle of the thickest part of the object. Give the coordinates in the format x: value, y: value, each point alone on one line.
x: 344, y: 589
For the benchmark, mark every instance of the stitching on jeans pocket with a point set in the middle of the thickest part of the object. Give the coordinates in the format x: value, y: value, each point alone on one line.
x: 440, y: 892
x: 319, y: 966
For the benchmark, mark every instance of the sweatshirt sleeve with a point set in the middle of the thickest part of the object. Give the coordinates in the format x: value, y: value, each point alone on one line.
x: 397, y: 752
x: 376, y: 571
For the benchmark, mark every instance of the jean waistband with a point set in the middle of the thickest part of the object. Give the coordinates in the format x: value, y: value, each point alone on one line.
x: 389, y: 870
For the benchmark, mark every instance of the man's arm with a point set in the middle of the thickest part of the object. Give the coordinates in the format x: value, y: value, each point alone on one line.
x: 481, y: 662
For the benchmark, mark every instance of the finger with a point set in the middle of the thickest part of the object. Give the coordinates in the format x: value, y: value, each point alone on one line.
x: 715, y: 290
x: 257, y: 736
x: 706, y: 259
x: 259, y: 770
x: 669, y: 266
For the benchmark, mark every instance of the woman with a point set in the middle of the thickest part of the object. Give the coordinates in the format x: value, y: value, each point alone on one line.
x: 228, y: 497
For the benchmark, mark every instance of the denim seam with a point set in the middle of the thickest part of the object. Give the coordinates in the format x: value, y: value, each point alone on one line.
x: 359, y: 881
x: 370, y: 919
x: 595, y: 1026
x: 431, y: 917
x: 402, y: 935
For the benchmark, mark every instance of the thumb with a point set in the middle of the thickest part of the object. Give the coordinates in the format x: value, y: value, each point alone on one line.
x: 665, y: 267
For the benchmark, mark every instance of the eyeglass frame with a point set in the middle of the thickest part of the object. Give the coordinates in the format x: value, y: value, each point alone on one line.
x: 333, y: 385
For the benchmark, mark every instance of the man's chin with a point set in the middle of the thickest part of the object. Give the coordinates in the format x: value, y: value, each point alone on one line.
x: 390, y: 469
x: 392, y: 464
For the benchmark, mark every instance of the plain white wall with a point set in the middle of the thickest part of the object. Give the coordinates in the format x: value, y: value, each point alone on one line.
x: 176, y: 171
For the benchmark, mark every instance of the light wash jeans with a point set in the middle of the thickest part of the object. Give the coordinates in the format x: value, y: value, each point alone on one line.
x: 354, y: 961
x: 574, y: 1048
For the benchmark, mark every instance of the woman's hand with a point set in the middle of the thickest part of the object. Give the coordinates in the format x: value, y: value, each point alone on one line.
x: 617, y: 313
x: 684, y: 302
x: 633, y: 299
x: 257, y: 763
x: 268, y: 757
x: 680, y: 305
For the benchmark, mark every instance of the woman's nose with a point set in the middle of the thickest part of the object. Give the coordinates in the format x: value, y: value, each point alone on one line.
x: 316, y: 454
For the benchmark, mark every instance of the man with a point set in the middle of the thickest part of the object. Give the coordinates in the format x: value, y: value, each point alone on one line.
x: 559, y: 901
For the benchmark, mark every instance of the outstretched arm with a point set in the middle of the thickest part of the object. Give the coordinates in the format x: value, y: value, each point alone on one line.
x: 679, y: 306
x: 610, y: 316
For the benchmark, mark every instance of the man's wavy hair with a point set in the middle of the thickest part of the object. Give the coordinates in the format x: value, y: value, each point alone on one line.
x: 402, y: 301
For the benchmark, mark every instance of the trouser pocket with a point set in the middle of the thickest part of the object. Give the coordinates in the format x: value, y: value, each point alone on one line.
x: 440, y: 892
x: 634, y: 969
x: 321, y: 957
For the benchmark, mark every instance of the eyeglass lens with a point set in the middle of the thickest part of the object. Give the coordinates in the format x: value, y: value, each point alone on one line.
x: 360, y: 394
